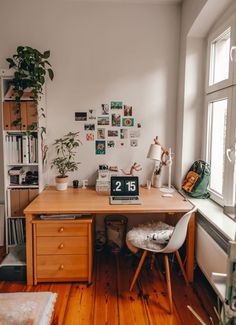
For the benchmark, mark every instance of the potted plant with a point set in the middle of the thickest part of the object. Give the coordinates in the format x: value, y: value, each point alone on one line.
x: 66, y: 149
x: 30, y: 69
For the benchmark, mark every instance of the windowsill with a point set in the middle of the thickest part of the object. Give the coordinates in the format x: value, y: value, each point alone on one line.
x: 214, y: 214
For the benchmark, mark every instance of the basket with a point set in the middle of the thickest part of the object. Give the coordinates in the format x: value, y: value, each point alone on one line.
x: 115, y: 226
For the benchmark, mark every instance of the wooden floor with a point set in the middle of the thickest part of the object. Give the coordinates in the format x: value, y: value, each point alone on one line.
x: 107, y: 301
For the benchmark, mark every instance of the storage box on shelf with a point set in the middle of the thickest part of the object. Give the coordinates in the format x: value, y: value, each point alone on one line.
x: 24, y: 173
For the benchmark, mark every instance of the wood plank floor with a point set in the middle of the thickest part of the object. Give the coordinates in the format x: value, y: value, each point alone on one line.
x: 107, y: 301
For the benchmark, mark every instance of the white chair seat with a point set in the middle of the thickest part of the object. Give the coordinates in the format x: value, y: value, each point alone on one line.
x: 150, y: 236
x: 159, y: 238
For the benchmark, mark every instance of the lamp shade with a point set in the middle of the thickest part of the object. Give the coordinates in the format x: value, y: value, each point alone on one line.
x: 154, y: 152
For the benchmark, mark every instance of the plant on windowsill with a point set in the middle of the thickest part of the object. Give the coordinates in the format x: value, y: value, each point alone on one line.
x: 66, y: 149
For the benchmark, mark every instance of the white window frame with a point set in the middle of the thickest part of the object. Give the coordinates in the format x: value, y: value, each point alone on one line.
x: 223, y: 89
x: 217, y: 96
x: 230, y: 23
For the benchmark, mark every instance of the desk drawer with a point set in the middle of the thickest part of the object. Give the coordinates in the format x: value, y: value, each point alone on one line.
x: 61, y: 229
x: 61, y: 245
x: 62, y: 267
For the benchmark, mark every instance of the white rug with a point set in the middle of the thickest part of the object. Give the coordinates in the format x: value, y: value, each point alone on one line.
x: 26, y: 308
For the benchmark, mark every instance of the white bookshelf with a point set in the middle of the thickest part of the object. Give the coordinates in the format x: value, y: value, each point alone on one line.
x: 33, y: 166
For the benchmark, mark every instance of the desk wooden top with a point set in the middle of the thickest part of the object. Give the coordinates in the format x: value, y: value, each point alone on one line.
x: 89, y: 201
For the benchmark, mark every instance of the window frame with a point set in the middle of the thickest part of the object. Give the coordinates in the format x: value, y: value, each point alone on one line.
x: 230, y: 23
x: 220, y: 90
x: 210, y: 98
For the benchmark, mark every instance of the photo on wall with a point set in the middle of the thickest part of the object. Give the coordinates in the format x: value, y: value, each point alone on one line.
x: 80, y: 116
x: 105, y: 109
x: 112, y: 133
x: 122, y: 144
x: 124, y: 133
x: 92, y: 114
x: 100, y: 147
x: 89, y: 127
x: 90, y: 136
x: 101, y: 133
x: 103, y: 120
x: 115, y: 119
x: 126, y: 121
x: 111, y: 144
x: 134, y: 143
x: 134, y: 133
x: 116, y: 105
x: 128, y: 110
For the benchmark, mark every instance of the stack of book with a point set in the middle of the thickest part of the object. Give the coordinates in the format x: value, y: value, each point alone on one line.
x: 16, y: 233
x: 21, y: 148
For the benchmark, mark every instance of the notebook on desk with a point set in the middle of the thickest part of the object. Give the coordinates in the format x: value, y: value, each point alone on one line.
x: 124, y: 190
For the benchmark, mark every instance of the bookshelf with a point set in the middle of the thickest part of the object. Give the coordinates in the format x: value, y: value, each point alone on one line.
x: 24, y: 172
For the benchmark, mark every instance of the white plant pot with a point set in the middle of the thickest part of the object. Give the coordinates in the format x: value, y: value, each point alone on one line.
x: 61, y: 183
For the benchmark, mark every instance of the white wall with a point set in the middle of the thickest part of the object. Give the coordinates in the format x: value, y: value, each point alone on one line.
x: 189, y: 13
x: 102, y: 52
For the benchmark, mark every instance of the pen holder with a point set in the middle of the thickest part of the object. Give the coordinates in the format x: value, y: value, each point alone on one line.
x: 156, y: 181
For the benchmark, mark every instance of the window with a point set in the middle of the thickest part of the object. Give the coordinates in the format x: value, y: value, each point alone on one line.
x: 220, y: 49
x: 220, y: 113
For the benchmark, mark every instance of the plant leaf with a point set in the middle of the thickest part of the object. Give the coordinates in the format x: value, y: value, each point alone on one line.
x: 51, y: 74
x: 46, y: 54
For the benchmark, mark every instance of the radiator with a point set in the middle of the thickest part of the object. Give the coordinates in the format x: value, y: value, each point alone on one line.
x: 211, y: 249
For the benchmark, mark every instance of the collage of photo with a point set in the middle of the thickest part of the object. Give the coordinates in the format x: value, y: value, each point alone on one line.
x: 111, y: 126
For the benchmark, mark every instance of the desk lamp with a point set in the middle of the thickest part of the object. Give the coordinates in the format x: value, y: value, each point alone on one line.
x: 168, y: 163
x: 154, y: 153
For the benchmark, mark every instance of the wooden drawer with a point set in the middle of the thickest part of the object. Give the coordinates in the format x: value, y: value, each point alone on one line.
x: 61, y: 245
x: 61, y: 229
x: 62, y: 267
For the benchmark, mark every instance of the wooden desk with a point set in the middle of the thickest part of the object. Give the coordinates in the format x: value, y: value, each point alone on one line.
x: 89, y: 201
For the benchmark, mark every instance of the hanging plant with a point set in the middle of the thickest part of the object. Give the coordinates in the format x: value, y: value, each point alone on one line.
x: 31, y: 68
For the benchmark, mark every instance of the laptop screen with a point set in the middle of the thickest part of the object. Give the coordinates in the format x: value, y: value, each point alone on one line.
x: 124, y: 186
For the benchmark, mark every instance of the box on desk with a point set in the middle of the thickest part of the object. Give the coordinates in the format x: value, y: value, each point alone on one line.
x: 102, y: 186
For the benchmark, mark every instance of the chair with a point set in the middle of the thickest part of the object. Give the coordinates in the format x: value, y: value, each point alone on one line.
x: 176, y: 236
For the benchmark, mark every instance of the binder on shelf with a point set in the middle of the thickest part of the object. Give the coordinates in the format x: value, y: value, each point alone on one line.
x: 6, y: 117
x: 25, y: 149
x: 14, y: 203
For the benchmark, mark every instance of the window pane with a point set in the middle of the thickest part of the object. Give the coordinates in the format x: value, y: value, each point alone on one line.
x: 219, y: 61
x: 218, y: 116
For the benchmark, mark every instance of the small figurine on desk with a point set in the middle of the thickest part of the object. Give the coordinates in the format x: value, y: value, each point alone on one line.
x: 85, y: 183
x: 135, y: 167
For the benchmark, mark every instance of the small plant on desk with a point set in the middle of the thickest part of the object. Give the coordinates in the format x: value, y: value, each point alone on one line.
x: 66, y: 149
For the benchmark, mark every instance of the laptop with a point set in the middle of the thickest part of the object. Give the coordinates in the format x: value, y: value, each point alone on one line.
x: 124, y: 190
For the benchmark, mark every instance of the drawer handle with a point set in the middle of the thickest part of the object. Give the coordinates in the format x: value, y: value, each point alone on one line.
x: 61, y: 267
x: 61, y: 229
x: 61, y: 245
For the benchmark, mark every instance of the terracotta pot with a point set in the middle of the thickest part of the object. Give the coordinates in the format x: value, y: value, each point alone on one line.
x: 61, y: 183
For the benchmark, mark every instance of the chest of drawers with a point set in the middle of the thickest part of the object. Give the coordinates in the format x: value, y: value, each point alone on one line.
x: 62, y: 250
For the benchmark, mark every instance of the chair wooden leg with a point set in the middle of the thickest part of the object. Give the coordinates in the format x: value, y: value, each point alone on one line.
x: 181, y: 266
x: 168, y: 282
x: 138, y: 270
x: 152, y: 261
